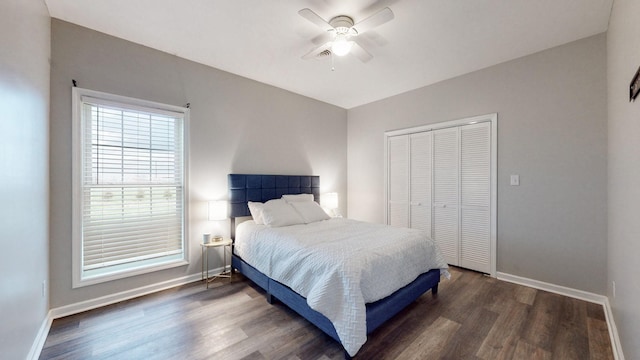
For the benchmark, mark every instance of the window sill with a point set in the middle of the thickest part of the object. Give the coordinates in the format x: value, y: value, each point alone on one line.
x: 115, y: 275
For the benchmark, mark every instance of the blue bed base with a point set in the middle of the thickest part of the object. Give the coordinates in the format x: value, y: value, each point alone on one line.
x: 244, y: 187
x: 377, y: 313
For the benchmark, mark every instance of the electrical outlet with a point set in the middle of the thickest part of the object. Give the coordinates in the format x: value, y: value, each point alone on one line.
x: 613, y: 288
x: 515, y: 180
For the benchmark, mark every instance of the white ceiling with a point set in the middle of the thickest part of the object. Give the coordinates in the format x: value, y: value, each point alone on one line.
x: 428, y: 40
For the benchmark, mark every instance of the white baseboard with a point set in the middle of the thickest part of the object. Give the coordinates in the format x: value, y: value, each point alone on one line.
x: 557, y: 289
x: 613, y: 332
x: 41, y: 337
x: 577, y: 294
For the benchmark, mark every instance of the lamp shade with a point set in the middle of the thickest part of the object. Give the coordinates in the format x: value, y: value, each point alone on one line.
x: 217, y: 210
x: 329, y: 200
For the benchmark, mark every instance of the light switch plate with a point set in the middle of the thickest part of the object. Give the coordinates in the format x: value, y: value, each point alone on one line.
x: 515, y: 180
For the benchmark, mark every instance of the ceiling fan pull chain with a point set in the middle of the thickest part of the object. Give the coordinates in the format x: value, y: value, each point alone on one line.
x: 333, y: 68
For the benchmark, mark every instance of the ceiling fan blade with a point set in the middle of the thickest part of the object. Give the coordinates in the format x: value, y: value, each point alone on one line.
x: 374, y: 20
x: 316, y: 19
x: 315, y: 52
x: 323, y: 38
x: 359, y: 52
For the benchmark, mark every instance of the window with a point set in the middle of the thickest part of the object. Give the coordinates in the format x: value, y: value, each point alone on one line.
x: 129, y: 186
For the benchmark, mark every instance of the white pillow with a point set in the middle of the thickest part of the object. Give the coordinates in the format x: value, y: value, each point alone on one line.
x: 256, y: 211
x: 276, y: 213
x: 310, y: 211
x: 297, y: 198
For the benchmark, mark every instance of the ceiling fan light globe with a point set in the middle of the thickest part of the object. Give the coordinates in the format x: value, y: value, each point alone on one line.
x: 341, y: 47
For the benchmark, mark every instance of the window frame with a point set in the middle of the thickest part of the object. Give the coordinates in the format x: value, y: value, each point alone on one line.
x: 78, y: 273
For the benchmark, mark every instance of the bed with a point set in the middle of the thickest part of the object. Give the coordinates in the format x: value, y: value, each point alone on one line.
x: 351, y: 330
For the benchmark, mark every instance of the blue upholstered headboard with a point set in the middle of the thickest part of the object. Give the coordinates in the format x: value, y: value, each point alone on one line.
x: 262, y: 188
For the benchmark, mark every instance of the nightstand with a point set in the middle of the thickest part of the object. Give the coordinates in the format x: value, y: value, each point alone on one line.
x: 225, y: 243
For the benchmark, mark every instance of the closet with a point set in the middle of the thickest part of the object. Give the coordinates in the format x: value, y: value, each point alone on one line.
x: 441, y: 179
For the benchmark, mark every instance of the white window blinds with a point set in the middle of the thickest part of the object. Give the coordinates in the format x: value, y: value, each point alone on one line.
x: 132, y: 193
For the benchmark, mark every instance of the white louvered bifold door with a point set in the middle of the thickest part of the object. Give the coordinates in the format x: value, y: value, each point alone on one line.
x: 475, y: 201
x: 420, y: 187
x: 445, y: 192
x: 398, y: 207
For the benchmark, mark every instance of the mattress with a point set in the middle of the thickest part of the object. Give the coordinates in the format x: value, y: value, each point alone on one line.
x: 339, y: 265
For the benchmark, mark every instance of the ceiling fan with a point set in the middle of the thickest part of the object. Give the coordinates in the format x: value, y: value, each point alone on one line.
x: 341, y: 33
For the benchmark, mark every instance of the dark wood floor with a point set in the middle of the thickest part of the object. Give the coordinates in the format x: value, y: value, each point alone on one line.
x: 472, y: 317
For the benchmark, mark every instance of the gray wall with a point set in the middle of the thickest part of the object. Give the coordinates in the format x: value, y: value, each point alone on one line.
x: 237, y: 125
x: 623, y: 50
x: 552, y: 130
x: 24, y: 173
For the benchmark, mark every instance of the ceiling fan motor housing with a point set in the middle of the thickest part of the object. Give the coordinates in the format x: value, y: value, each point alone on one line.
x: 341, y: 23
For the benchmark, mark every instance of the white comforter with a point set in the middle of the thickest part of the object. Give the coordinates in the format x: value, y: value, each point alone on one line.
x: 338, y: 265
